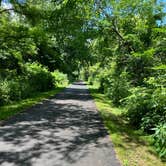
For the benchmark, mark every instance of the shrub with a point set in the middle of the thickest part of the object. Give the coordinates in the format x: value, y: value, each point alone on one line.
x: 157, y: 109
x: 114, y: 84
x: 40, y: 79
x: 139, y: 66
x: 4, y: 92
x: 138, y: 105
x: 105, y: 77
x: 20, y: 88
x: 84, y: 74
x: 117, y: 87
x: 14, y: 89
x: 160, y: 140
x: 35, y: 78
x: 147, y: 105
x: 150, y: 120
x: 59, y: 78
x: 93, y: 74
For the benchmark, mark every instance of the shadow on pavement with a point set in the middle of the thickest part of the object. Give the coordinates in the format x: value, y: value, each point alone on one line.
x: 55, y: 130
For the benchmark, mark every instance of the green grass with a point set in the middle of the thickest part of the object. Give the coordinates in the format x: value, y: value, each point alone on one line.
x: 14, y: 108
x: 133, y: 147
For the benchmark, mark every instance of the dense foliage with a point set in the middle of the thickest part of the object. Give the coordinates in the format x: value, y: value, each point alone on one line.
x: 129, y: 63
x: 120, y: 45
x: 34, y: 78
x: 39, y: 41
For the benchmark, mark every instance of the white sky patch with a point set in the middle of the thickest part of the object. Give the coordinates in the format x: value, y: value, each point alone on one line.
x: 6, y: 5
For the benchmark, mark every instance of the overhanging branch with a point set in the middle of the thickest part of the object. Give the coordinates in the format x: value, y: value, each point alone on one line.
x: 6, y: 10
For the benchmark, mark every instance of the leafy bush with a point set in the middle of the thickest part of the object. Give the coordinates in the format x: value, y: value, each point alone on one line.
x: 84, y: 74
x: 150, y: 120
x: 147, y: 105
x: 139, y: 66
x: 138, y: 105
x: 4, y: 92
x: 117, y: 87
x: 20, y: 88
x: 160, y: 140
x: 59, y: 78
x: 114, y: 84
x: 40, y: 79
x: 157, y: 110
x: 93, y: 74
x: 14, y: 89
x: 35, y: 78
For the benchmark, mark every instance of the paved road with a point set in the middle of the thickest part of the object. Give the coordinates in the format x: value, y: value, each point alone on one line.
x: 62, y: 131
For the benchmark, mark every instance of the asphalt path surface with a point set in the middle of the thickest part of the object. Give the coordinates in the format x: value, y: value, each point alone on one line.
x: 65, y: 130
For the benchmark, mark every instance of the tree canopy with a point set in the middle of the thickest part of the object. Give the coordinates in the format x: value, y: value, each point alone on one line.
x: 119, y: 44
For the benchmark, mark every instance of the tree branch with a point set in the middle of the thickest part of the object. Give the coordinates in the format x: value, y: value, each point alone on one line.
x: 6, y: 10
x: 115, y: 29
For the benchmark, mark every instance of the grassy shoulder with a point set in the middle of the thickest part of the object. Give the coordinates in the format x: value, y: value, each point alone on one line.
x: 11, y: 109
x: 133, y: 147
